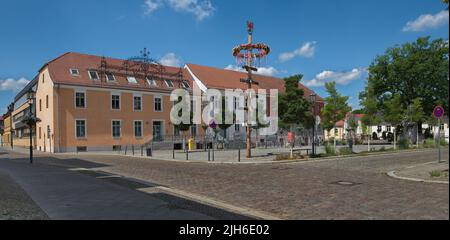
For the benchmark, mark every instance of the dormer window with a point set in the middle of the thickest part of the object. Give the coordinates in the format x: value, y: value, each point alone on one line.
x: 93, y: 75
x: 74, y: 72
x: 185, y: 84
x: 132, y: 80
x: 151, y: 82
x: 110, y: 77
x: 169, y: 83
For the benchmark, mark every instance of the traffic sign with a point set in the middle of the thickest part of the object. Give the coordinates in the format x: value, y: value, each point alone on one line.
x: 213, y: 124
x: 438, y: 112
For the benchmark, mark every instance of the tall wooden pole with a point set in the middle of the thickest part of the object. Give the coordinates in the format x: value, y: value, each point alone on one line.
x: 249, y: 86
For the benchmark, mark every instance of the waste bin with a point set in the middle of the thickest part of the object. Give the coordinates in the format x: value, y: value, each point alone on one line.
x: 191, y: 144
x: 149, y: 152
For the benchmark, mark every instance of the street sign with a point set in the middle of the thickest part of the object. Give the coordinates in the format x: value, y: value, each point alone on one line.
x: 213, y: 124
x: 438, y: 112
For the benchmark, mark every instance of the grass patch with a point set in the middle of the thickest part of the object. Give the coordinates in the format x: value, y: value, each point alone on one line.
x: 435, y: 173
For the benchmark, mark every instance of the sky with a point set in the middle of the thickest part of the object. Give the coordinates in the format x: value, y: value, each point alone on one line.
x: 323, y: 40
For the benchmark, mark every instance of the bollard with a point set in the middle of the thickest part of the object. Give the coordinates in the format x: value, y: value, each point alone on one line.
x: 132, y: 149
x: 239, y: 154
x: 209, y: 153
x: 187, y: 154
x: 126, y: 149
x: 142, y: 150
x: 213, y: 152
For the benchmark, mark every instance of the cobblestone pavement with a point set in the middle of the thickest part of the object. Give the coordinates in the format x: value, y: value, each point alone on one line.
x: 307, y: 190
x: 15, y: 203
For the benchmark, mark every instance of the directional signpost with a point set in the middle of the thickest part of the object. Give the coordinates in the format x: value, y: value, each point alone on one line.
x: 438, y: 113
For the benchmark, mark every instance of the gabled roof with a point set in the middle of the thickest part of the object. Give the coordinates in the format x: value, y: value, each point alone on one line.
x: 59, y: 70
x: 229, y: 79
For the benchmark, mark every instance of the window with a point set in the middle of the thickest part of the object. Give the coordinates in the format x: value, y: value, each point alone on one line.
x: 388, y: 128
x: 336, y: 131
x: 194, y: 130
x: 43, y: 78
x: 379, y: 129
x: 46, y: 101
x: 80, y: 128
x: 40, y: 132
x: 138, y: 128
x: 115, y: 102
x: 110, y: 77
x: 185, y: 84
x: 116, y: 128
x: 80, y: 101
x: 442, y: 127
x: 132, y: 80
x: 176, y: 131
x: 158, y: 104
x: 74, y: 72
x: 151, y: 82
x: 169, y: 83
x: 40, y: 105
x: 93, y: 75
x: 237, y: 128
x: 137, y: 103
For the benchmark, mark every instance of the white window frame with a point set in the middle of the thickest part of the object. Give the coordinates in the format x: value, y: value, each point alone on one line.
x: 167, y: 81
x: 142, y: 102
x: 133, y: 78
x: 120, y: 101
x: 154, y: 103
x: 96, y: 73
x: 152, y: 82
x: 107, y: 79
x: 112, y: 128
x: 74, y: 69
x: 142, y: 128
x: 75, y: 99
x: 85, y: 128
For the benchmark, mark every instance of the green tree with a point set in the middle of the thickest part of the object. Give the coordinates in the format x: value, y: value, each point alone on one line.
x: 413, y: 70
x: 416, y: 116
x: 394, y: 113
x: 336, y: 108
x: 294, y: 109
x: 371, y: 113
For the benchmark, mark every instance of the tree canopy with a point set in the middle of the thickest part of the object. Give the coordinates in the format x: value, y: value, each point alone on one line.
x: 294, y: 109
x: 336, y: 107
x: 418, y: 70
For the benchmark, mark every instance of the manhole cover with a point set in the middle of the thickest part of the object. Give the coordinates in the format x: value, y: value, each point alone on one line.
x: 345, y: 183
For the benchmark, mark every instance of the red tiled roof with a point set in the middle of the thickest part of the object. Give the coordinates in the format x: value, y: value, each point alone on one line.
x: 59, y: 69
x: 340, y: 123
x: 228, y: 79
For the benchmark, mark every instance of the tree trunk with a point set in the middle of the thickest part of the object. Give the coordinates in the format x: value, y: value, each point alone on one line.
x: 395, y: 138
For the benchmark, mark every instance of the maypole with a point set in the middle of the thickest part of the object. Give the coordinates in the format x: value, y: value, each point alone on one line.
x: 246, y: 52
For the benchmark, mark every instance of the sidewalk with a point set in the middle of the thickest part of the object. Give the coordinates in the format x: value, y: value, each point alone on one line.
x: 427, y: 172
x: 67, y: 190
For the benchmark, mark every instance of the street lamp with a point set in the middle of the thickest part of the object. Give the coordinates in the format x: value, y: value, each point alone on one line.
x: 31, y: 120
x: 313, y: 100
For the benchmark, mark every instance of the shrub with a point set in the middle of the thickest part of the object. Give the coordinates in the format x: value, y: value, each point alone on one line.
x: 345, y: 151
x: 429, y: 143
x: 403, y: 143
x: 330, y: 150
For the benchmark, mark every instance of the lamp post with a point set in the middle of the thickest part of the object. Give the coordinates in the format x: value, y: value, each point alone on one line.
x: 31, y: 120
x: 313, y: 100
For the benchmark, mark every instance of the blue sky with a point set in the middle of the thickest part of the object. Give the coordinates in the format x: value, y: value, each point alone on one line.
x: 323, y: 40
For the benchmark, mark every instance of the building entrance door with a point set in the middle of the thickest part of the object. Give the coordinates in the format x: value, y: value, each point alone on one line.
x: 157, y: 131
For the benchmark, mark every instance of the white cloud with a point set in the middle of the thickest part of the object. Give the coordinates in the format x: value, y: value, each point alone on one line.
x: 13, y: 85
x: 267, y: 71
x: 151, y: 6
x: 427, y: 21
x: 341, y: 78
x: 306, y: 50
x: 171, y: 60
x: 201, y: 9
